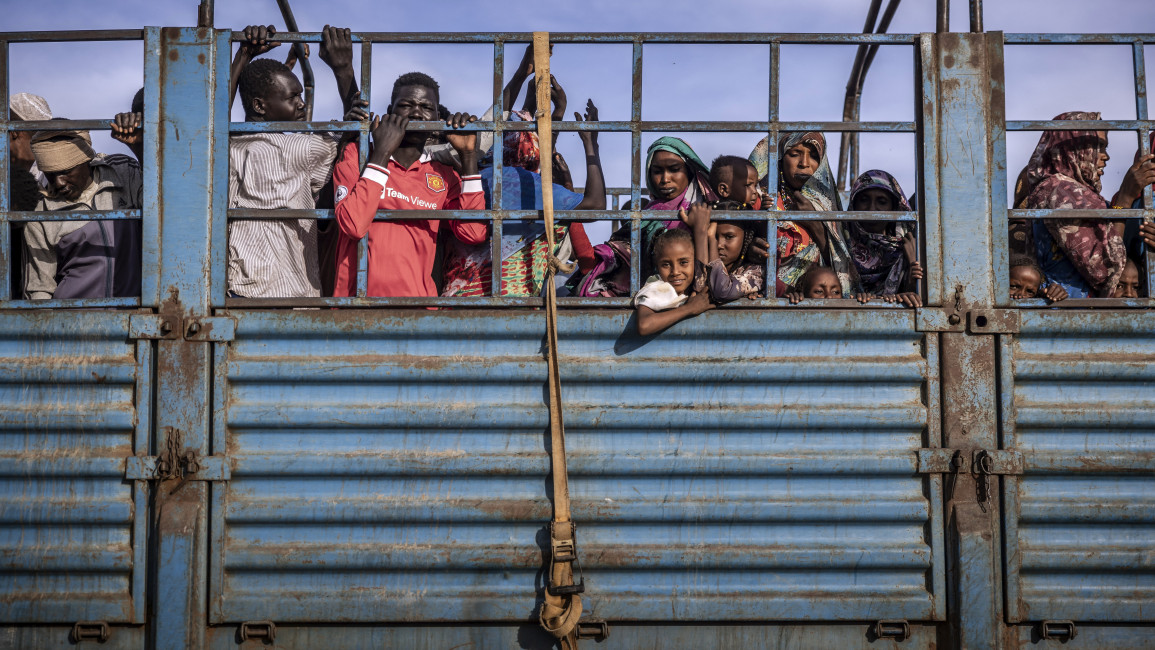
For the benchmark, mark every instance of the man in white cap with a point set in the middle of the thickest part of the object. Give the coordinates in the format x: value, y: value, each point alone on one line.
x: 83, y: 259
x: 26, y: 107
x: 24, y: 179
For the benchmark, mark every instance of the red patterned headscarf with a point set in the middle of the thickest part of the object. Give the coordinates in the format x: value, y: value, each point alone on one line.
x: 1069, y: 153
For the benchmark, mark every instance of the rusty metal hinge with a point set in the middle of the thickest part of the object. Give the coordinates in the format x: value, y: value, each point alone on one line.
x: 160, y: 327
x: 899, y: 630
x: 1058, y: 630
x: 98, y: 631
x: 264, y: 630
x: 976, y: 321
x: 1001, y: 462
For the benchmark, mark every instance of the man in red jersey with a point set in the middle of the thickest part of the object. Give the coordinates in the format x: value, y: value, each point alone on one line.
x: 398, y: 176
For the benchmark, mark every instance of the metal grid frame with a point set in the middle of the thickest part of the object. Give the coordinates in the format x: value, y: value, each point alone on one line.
x: 773, y: 126
x: 1142, y: 125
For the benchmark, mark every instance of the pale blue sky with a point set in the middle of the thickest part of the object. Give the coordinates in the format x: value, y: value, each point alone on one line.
x: 1041, y: 80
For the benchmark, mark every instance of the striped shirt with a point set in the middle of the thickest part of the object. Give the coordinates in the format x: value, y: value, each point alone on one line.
x: 277, y: 259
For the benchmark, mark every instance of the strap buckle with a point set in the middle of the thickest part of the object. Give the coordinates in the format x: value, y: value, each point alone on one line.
x: 564, y: 549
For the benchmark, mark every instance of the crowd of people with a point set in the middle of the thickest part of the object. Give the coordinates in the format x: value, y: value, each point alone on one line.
x: 691, y: 263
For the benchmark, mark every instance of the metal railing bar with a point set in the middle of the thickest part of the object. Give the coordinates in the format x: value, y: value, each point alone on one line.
x: 1079, y: 125
x: 74, y: 35
x: 697, y: 38
x: 1111, y: 214
x: 572, y: 302
x: 621, y: 126
x: 64, y: 303
x: 575, y: 215
x: 75, y: 215
x: 1076, y: 39
x: 58, y: 125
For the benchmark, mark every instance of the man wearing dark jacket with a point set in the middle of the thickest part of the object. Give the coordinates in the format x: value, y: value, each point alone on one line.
x: 83, y: 259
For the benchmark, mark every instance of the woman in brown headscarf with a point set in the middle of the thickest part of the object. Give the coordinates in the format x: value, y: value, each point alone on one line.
x: 1085, y: 256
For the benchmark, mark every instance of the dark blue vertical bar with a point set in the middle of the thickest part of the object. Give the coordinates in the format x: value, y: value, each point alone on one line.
x: 363, y: 144
x: 218, y: 254
x: 1144, y: 146
x: 190, y: 101
x: 5, y: 190
x: 636, y: 168
x: 497, y: 148
x: 150, y: 211
x: 771, y: 179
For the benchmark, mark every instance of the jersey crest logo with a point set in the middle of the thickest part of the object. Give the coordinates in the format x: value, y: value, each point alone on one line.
x: 435, y: 182
x: 342, y: 192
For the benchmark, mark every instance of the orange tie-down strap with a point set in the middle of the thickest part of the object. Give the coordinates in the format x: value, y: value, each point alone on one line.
x: 563, y: 604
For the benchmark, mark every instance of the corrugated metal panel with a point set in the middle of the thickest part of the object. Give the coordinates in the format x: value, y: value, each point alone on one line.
x: 70, y: 539
x: 1081, y: 521
x: 745, y: 465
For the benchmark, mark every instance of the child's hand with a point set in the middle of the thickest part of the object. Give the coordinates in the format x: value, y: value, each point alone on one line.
x: 698, y: 216
x: 588, y: 138
x: 258, y: 40
x: 864, y: 298
x: 526, y: 65
x: 126, y: 128
x: 1054, y: 292
x: 557, y: 96
x: 357, y: 110
x: 916, y: 272
x: 1147, y: 232
x: 795, y: 297
x: 699, y: 302
x: 910, y: 248
x: 291, y: 57
x: 336, y: 47
x: 907, y: 298
x: 464, y: 143
x: 759, y: 250
x: 802, y: 203
x: 561, y: 172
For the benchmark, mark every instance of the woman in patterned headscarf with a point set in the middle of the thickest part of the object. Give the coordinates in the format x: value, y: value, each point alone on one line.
x: 805, y: 183
x: 1085, y: 256
x: 884, y: 253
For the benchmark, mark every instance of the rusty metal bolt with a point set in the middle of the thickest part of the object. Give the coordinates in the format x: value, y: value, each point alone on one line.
x: 193, y: 328
x: 954, y: 319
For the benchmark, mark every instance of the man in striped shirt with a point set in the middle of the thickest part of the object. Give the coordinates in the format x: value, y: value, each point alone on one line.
x: 278, y: 258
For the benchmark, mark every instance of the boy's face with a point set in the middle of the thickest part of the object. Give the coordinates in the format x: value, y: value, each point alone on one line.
x: 419, y: 104
x: 822, y: 284
x: 730, y: 239
x: 283, y: 102
x: 741, y: 187
x: 1129, y: 283
x: 874, y: 200
x: 668, y: 175
x: 675, y: 262
x: 1025, y: 282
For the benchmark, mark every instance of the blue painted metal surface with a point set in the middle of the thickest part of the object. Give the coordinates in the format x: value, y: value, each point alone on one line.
x: 384, y: 468
x: 77, y: 398
x: 1081, y: 519
x: 388, y: 467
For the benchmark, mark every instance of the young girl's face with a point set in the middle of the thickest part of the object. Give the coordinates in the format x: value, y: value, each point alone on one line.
x: 873, y: 200
x: 668, y: 175
x: 823, y: 284
x: 730, y: 239
x: 675, y: 262
x: 799, y: 163
x: 1129, y: 283
x: 1025, y: 282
